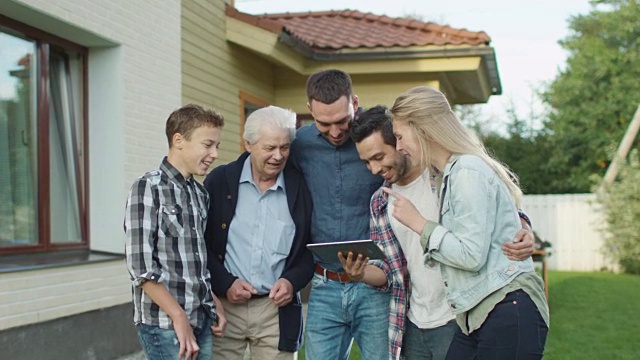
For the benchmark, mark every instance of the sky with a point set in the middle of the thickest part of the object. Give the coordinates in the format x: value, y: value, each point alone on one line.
x: 524, y: 34
x: 12, y: 50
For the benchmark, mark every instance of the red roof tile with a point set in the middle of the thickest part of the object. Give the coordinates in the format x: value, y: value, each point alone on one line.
x: 334, y: 30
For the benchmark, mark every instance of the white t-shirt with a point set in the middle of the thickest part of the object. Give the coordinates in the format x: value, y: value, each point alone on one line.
x: 428, y: 307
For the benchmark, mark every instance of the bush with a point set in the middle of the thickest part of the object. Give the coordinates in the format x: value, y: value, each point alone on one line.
x: 621, y: 203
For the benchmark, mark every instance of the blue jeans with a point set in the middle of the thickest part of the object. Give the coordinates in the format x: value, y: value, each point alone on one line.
x: 162, y: 344
x: 514, y: 330
x: 338, y: 313
x: 427, y: 344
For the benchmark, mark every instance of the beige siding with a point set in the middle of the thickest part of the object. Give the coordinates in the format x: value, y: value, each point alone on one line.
x: 29, y: 297
x: 371, y: 89
x: 214, y: 71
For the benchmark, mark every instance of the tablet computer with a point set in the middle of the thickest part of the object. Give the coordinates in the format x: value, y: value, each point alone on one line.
x: 329, y: 251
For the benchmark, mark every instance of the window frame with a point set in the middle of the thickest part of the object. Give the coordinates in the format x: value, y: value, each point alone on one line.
x: 245, y: 97
x: 43, y: 43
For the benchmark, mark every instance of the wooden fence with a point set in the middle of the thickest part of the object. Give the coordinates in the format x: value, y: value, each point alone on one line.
x: 572, y: 223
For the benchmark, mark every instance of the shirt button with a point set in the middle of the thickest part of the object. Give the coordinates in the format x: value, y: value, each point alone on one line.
x: 223, y: 226
x: 197, y: 253
x: 193, y: 228
x: 446, y: 284
x: 219, y: 257
x: 228, y: 197
x: 511, y: 267
x: 431, y: 263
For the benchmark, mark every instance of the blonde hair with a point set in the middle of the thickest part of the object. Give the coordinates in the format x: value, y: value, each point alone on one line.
x: 429, y: 115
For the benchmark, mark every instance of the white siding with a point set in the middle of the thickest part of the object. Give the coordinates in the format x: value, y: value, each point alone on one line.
x: 28, y: 297
x: 134, y: 83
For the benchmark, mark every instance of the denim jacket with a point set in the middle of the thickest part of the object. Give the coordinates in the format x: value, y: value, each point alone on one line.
x: 477, y: 216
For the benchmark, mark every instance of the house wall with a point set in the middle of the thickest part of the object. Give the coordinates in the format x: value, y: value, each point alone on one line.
x: 379, y: 89
x: 41, y: 295
x: 215, y: 71
x: 133, y: 75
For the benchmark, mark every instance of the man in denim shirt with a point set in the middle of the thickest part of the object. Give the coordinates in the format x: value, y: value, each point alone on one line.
x: 341, y: 187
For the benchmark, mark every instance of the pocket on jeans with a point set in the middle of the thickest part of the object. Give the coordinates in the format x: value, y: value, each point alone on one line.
x: 317, y: 281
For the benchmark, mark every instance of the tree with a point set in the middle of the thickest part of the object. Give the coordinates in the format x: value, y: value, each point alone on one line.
x: 621, y: 202
x: 522, y: 149
x: 594, y: 98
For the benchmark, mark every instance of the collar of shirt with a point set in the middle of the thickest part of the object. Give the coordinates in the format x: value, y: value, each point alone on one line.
x: 174, y: 174
x: 246, y: 176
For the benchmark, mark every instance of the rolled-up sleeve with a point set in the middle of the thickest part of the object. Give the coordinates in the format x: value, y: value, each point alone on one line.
x: 376, y: 236
x: 141, y: 230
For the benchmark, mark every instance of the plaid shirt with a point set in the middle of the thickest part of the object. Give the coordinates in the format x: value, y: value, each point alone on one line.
x: 396, y: 270
x: 164, y: 222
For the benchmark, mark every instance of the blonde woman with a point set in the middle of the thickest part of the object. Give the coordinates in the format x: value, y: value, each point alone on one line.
x: 499, y: 303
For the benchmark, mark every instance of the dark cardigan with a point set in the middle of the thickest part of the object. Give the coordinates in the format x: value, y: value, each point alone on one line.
x: 222, y: 184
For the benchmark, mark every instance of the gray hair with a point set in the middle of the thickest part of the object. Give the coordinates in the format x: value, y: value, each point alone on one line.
x: 272, y: 117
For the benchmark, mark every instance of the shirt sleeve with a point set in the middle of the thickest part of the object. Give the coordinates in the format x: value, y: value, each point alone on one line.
x: 141, y: 229
x: 472, y: 200
x: 382, y: 264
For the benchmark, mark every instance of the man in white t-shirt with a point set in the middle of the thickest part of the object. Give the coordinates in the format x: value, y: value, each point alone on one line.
x: 431, y: 324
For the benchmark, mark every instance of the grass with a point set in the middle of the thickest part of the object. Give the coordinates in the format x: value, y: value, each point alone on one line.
x: 593, y: 316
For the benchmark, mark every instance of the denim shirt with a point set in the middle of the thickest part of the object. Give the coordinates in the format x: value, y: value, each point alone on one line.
x: 478, y: 215
x: 340, y: 185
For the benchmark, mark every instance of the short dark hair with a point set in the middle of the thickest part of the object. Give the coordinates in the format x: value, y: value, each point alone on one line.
x: 190, y: 117
x: 327, y: 86
x: 378, y: 118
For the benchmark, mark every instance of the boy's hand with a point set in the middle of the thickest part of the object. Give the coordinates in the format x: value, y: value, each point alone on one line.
x: 221, y: 324
x: 188, y: 345
x: 219, y: 328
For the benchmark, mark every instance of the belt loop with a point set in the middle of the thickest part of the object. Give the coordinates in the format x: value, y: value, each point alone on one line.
x: 324, y: 276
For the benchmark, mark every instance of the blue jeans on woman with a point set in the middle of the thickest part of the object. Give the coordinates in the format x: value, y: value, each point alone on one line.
x: 159, y: 344
x: 514, y: 330
x: 339, y: 312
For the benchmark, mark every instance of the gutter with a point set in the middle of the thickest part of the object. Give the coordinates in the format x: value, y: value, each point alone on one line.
x: 487, y: 54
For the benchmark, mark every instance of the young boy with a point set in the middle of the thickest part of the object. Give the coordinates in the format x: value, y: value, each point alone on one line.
x: 165, y: 218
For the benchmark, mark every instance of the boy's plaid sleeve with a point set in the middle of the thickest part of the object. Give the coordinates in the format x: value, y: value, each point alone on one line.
x: 141, y: 229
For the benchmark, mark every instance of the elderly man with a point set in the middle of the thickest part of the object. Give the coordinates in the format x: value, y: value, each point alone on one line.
x: 257, y: 230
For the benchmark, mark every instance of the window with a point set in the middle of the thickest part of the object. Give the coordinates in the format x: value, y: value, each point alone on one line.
x: 42, y: 141
x: 304, y: 120
x: 248, y: 104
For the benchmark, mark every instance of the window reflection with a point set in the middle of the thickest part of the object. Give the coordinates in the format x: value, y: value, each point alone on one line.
x: 18, y: 148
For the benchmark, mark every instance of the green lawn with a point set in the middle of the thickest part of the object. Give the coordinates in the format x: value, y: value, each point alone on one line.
x: 593, y: 316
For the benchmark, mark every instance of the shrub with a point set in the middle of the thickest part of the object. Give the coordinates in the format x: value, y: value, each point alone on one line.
x: 621, y: 203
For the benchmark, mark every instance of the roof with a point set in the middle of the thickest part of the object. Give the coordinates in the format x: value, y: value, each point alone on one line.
x: 349, y: 29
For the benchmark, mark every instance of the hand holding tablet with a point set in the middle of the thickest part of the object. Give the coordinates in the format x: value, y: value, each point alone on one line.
x: 329, y: 251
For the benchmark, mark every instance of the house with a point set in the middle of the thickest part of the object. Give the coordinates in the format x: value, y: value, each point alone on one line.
x: 85, y: 89
x: 268, y: 58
